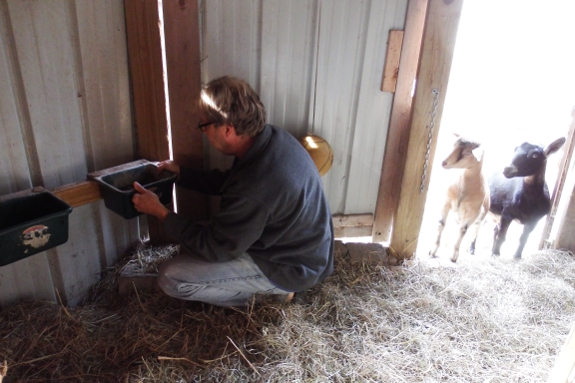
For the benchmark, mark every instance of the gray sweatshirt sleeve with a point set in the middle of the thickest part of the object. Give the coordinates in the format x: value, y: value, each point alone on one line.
x: 237, y: 226
x: 207, y: 182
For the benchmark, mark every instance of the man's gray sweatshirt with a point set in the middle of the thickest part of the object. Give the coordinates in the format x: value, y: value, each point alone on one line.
x: 272, y: 207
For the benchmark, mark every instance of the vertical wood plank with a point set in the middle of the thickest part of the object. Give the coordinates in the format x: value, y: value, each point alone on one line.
x: 436, y: 57
x: 558, y: 193
x: 146, y: 69
x: 182, y: 36
x: 565, y: 239
x: 398, y: 133
x: 143, y: 25
x: 391, y: 68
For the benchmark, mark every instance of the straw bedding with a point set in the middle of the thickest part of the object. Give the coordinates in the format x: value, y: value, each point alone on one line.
x: 482, y: 320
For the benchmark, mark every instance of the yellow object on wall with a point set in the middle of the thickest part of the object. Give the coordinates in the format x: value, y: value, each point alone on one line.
x: 320, y: 151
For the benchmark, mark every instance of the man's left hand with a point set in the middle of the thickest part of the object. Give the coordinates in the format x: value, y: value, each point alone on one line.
x: 148, y: 202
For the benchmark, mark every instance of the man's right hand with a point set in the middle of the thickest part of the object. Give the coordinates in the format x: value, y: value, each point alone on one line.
x: 170, y: 166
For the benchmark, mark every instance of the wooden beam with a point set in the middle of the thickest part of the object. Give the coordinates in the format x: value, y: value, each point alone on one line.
x: 144, y: 31
x: 85, y: 192
x: 433, y: 75
x: 398, y: 133
x: 78, y: 194
x: 354, y: 225
x: 391, y: 67
x: 565, y: 231
x: 182, y: 36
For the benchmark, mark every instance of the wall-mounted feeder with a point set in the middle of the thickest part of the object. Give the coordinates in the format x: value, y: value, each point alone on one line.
x: 31, y: 221
x: 116, y: 185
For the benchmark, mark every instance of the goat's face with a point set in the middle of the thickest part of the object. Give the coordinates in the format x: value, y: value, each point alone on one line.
x: 464, y: 155
x: 528, y: 159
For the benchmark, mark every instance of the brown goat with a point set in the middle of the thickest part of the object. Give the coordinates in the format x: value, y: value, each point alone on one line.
x: 467, y: 196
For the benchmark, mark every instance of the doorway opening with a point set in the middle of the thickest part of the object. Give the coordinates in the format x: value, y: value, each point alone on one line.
x: 511, y: 81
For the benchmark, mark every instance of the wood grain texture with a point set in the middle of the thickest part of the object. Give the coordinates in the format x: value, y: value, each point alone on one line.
x: 400, y: 123
x: 436, y: 57
x: 147, y: 74
x: 391, y: 68
x: 564, y: 238
x: 182, y: 35
x: 79, y: 193
x: 144, y: 28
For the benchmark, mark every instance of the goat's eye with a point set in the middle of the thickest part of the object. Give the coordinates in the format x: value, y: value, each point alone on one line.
x: 534, y: 155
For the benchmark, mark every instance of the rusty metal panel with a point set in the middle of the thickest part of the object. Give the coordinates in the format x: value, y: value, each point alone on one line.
x: 66, y: 111
x: 317, y: 66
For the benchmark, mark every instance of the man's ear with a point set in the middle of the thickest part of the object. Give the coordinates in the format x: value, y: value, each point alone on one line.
x: 231, y: 130
x: 228, y: 129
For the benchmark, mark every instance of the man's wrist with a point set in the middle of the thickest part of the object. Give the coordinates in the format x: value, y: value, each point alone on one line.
x: 163, y: 213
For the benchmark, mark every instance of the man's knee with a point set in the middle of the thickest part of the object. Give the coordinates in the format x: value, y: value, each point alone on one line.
x: 165, y: 281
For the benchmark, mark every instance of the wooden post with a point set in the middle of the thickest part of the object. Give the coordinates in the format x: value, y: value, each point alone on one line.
x: 436, y: 56
x: 400, y: 123
x: 143, y: 27
x: 182, y: 36
x: 565, y: 231
x: 391, y: 67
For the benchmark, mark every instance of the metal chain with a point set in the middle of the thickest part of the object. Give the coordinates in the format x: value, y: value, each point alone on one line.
x: 435, y: 93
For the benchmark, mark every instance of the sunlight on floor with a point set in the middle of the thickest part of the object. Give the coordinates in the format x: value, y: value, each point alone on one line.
x: 355, y: 239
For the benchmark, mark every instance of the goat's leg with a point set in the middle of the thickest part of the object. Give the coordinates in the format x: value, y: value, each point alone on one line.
x: 527, y: 229
x: 440, y: 227
x: 476, y: 226
x: 462, y: 231
x: 500, y: 233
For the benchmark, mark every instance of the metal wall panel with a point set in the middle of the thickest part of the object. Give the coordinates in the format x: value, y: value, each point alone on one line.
x: 317, y: 66
x: 65, y: 111
x: 65, y: 106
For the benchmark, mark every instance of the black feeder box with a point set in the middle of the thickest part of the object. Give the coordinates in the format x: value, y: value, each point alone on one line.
x: 116, y: 185
x: 31, y: 221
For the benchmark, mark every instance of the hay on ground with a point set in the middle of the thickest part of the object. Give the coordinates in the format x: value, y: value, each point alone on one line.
x: 482, y: 320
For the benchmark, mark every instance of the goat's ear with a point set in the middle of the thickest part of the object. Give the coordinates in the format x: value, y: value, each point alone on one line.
x: 554, y: 146
x: 478, y: 153
x: 455, y: 134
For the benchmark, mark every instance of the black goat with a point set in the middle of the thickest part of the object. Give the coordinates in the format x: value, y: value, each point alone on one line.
x: 520, y: 192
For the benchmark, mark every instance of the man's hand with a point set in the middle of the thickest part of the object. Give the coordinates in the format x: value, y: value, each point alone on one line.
x: 148, y: 202
x: 170, y: 166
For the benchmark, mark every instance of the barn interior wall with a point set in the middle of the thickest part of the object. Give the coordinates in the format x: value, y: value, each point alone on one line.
x: 65, y: 110
x: 317, y: 66
x: 66, y: 107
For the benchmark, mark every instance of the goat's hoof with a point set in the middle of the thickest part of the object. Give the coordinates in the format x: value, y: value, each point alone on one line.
x: 453, y: 259
x: 432, y: 254
x: 495, y: 254
x: 517, y: 257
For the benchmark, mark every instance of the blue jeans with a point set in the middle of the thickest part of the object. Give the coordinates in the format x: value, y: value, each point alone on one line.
x: 225, y: 284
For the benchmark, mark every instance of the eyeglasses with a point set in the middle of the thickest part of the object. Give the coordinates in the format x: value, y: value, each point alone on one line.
x: 204, y: 126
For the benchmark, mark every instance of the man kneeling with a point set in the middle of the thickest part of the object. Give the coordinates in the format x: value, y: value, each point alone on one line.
x: 273, y: 233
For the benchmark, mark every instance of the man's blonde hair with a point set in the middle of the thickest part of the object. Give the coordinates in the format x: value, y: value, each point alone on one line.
x: 231, y: 100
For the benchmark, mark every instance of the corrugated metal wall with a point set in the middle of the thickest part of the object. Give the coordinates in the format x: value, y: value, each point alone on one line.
x: 64, y: 111
x: 65, y: 107
x: 317, y: 65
